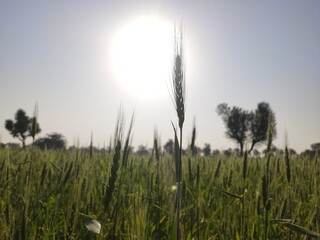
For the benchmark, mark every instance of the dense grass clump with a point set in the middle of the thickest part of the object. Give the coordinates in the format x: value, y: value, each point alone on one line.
x: 45, y: 194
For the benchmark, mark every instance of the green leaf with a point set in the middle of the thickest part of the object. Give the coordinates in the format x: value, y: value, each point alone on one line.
x: 296, y: 228
x: 229, y: 194
x: 275, y: 221
x: 174, y: 229
x: 177, y: 155
x: 302, y: 230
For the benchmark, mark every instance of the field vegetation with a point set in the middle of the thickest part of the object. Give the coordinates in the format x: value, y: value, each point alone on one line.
x: 52, y: 194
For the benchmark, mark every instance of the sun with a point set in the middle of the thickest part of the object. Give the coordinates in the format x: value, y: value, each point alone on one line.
x: 141, y: 55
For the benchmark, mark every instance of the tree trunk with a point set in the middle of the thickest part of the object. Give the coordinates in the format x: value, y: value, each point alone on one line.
x: 241, y: 149
x: 23, y: 140
x: 251, y: 148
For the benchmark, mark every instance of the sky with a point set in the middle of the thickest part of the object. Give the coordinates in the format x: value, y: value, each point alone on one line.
x: 64, y: 57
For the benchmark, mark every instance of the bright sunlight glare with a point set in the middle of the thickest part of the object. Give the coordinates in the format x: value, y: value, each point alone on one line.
x: 141, y: 54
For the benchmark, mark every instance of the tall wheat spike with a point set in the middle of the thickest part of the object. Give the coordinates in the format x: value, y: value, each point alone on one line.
x: 178, y: 84
x: 265, y: 178
x: 91, y: 145
x: 115, y: 162
x: 288, y: 174
x: 179, y: 90
x: 287, y: 158
x: 157, y: 150
x: 194, y: 134
x: 34, y: 124
x: 126, y: 150
x: 245, y: 165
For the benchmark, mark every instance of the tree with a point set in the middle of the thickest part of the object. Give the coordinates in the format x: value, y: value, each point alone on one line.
x: 236, y: 151
x: 256, y: 153
x: 315, y: 146
x: 13, y: 145
x: 315, y: 149
x: 259, y: 123
x: 142, y: 150
x: 273, y: 150
x: 242, y: 125
x: 23, y: 126
x: 51, y: 141
x: 227, y: 152
x: 168, y: 147
x: 195, y: 150
x: 308, y: 153
x: 207, y: 149
x: 215, y: 152
x: 292, y: 152
x: 236, y: 121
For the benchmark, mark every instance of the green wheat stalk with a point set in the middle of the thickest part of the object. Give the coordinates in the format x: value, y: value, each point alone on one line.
x: 115, y: 162
x: 179, y: 90
x: 265, y: 178
x: 288, y: 174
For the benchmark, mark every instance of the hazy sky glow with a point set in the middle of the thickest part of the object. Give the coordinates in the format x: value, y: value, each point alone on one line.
x: 59, y: 54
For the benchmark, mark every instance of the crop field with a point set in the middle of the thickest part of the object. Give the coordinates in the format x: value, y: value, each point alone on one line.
x: 65, y: 194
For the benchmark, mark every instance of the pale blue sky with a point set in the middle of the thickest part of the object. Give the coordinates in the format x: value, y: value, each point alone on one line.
x: 239, y: 52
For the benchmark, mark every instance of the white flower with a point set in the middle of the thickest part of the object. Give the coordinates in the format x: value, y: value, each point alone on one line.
x: 91, y: 224
x: 94, y: 226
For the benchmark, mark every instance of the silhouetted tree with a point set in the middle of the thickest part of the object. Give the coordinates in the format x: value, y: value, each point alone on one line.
x: 315, y: 149
x: 292, y: 152
x: 23, y: 126
x: 308, y: 153
x: 256, y: 153
x: 215, y: 152
x: 259, y: 122
x: 207, y: 149
x: 168, y: 147
x: 236, y: 121
x: 51, y: 141
x: 195, y: 150
x: 236, y: 151
x: 227, y: 152
x: 142, y: 150
x: 315, y: 146
x: 273, y: 150
x: 13, y: 145
x: 242, y: 125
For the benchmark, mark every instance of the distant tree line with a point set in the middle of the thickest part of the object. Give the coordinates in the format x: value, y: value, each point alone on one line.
x: 313, y: 152
x: 24, y: 126
x: 241, y: 126
x: 207, y: 151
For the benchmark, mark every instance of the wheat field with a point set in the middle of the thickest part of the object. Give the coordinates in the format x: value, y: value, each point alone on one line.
x: 52, y: 194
